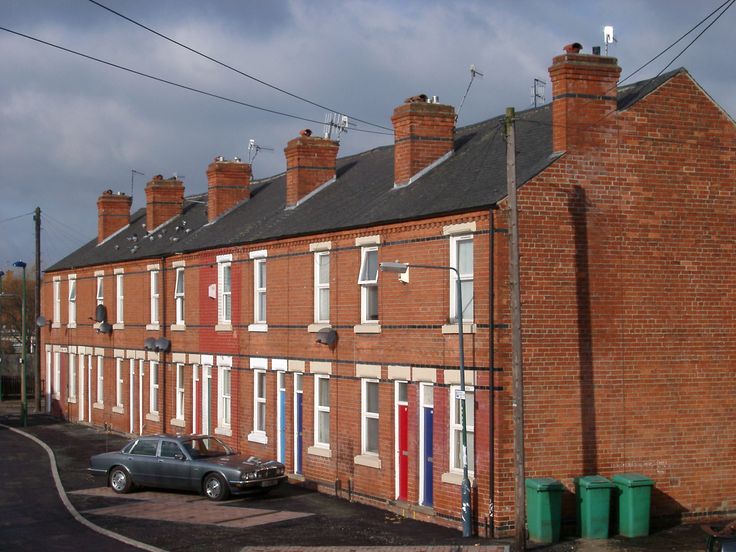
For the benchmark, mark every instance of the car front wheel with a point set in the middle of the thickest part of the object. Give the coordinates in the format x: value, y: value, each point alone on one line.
x: 120, y: 481
x: 215, y: 487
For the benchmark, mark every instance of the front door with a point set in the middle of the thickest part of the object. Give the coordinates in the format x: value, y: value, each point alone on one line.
x: 402, y: 441
x: 206, y: 381
x: 131, y: 395
x: 80, y: 387
x: 426, y: 443
x: 298, y: 394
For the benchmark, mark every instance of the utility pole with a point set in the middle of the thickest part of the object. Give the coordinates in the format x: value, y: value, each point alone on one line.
x: 516, y: 358
x: 37, y: 314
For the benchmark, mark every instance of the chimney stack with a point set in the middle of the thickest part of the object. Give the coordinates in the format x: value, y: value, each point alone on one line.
x: 310, y: 162
x: 228, y: 183
x: 113, y: 213
x: 423, y: 133
x: 164, y: 200
x: 584, y: 90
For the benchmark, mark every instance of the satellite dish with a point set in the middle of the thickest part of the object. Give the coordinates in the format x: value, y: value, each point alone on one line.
x: 41, y: 321
x: 100, y: 313
x: 327, y: 336
x: 149, y: 344
x: 105, y: 328
x: 162, y: 344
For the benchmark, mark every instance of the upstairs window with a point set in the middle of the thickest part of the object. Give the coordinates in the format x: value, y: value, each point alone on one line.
x: 368, y: 281
x: 461, y: 258
x: 154, y: 296
x: 72, y: 301
x: 179, y: 296
x: 119, y: 299
x: 322, y: 287
x: 100, y: 293
x: 224, y: 289
x: 259, y: 279
x: 57, y: 302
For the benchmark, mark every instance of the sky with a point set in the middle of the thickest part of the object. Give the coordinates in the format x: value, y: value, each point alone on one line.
x: 71, y: 128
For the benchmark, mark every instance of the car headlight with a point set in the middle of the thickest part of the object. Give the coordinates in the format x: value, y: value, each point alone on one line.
x: 247, y: 476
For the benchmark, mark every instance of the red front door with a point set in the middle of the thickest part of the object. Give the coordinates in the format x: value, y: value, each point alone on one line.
x: 403, y: 451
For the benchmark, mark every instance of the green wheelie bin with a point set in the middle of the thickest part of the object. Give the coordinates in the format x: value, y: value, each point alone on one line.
x: 593, y: 494
x: 543, y: 509
x: 634, y: 496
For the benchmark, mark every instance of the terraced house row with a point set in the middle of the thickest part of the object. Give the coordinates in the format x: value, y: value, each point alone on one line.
x: 258, y: 311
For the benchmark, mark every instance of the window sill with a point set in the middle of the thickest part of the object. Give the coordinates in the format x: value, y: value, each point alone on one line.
x: 98, y: 406
x: 118, y: 326
x: 152, y: 417
x: 225, y: 327
x: 56, y: 396
x: 258, y: 437
x: 324, y: 452
x: 370, y: 460
x: 454, y: 478
x: 317, y: 326
x: 71, y: 325
x: 178, y: 422
x: 367, y: 328
x: 72, y: 400
x: 154, y: 327
x: 55, y: 325
x: 226, y: 431
x: 118, y: 409
x: 260, y: 327
x: 178, y: 327
x: 453, y: 329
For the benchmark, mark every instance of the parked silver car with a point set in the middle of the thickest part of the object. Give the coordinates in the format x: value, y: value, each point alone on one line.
x: 199, y: 463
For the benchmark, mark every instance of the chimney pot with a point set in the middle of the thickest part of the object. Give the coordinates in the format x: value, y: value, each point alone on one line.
x: 310, y: 162
x: 228, y: 183
x: 164, y: 200
x: 113, y: 213
x: 573, y: 48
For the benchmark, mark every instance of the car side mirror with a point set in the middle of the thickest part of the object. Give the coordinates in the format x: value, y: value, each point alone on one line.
x: 179, y: 456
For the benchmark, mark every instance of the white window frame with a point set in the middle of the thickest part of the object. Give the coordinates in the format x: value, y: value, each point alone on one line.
x: 456, y: 429
x: 179, y: 391
x: 224, y: 297
x: 119, y: 382
x: 366, y: 415
x: 119, y: 299
x: 57, y: 374
x: 153, y: 387
x: 72, y: 394
x: 224, y: 400
x: 368, y: 286
x: 100, y: 380
x: 100, y: 290
x: 72, y: 283
x: 259, y: 401
x: 320, y: 411
x: 179, y: 296
x: 321, y: 288
x: 155, y: 296
x: 464, y: 277
x: 260, y: 310
x: 57, y: 302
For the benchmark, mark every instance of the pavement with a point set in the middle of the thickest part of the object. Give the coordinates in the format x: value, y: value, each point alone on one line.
x: 292, y: 519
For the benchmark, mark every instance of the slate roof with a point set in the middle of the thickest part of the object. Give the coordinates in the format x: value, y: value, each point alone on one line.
x: 363, y: 194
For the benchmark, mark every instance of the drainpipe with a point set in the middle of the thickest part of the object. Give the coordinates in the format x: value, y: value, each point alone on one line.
x: 492, y: 374
x: 163, y: 354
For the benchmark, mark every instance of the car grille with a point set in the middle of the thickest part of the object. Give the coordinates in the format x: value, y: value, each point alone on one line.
x: 265, y: 473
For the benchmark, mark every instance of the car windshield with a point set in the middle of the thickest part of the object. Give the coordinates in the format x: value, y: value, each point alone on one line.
x: 206, y: 447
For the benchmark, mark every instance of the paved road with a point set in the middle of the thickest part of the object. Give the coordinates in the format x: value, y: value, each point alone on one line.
x: 32, y: 516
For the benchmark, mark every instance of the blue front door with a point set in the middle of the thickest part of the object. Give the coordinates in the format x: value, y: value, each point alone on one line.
x: 427, y: 456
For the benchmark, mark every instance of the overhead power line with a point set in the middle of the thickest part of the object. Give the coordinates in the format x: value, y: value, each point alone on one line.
x: 16, y: 217
x: 238, y: 71
x: 176, y: 84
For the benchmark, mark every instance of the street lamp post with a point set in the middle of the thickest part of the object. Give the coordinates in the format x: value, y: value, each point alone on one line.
x: 23, y: 394
x: 1, y: 339
x: 401, y: 268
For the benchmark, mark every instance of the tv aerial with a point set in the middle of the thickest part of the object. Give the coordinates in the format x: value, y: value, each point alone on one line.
x: 336, y: 123
x: 608, y: 37
x: 473, y: 73
x: 254, y: 148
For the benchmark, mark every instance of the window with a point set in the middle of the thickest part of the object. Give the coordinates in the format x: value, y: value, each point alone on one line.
x: 322, y: 411
x: 119, y: 302
x: 57, y: 302
x: 72, y: 301
x: 179, y: 296
x: 57, y: 374
x: 368, y: 280
x: 145, y: 448
x: 369, y: 417
x: 100, y: 380
x: 153, y: 391
x: 456, y: 439
x: 100, y: 294
x: 259, y: 279
x: 322, y: 287
x: 72, y: 377
x: 179, y: 391
x: 170, y: 449
x: 224, y: 402
x: 461, y: 258
x: 154, y: 296
x: 119, y: 382
x: 259, y: 401
x: 224, y: 289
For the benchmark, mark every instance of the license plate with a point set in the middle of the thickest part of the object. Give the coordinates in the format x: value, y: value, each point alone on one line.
x: 270, y: 483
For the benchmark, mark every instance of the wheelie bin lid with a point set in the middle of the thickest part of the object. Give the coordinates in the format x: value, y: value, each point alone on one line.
x: 540, y: 484
x: 632, y: 480
x: 594, y: 482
